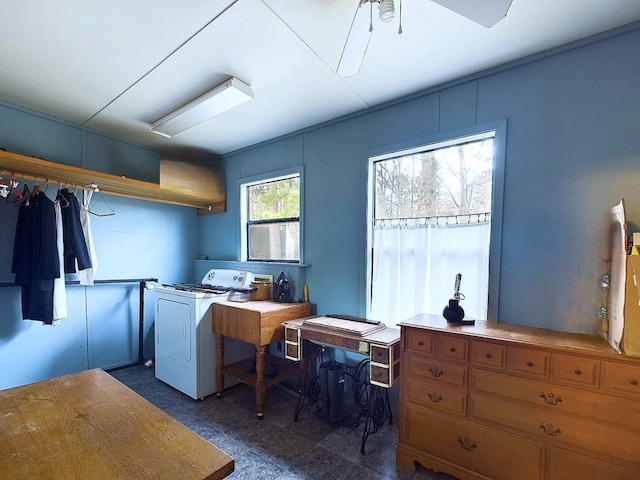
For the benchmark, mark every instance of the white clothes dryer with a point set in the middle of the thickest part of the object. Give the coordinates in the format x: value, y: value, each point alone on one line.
x: 185, y: 344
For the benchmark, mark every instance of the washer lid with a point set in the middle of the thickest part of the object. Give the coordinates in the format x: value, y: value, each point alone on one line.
x: 227, y: 278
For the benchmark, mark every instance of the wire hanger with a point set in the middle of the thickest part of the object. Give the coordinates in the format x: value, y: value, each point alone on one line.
x: 61, y: 199
x: 111, y: 211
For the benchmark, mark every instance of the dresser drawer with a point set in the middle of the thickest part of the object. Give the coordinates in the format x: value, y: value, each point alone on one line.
x: 487, y: 354
x: 438, y: 397
x: 554, y: 427
x: 420, y: 342
x: 582, y: 371
x: 440, y: 372
x: 477, y: 447
x: 622, y: 378
x: 558, y: 398
x: 455, y: 349
x: 566, y: 465
x: 529, y: 362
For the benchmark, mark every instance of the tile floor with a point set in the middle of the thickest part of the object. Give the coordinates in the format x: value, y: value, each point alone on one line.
x: 277, y: 448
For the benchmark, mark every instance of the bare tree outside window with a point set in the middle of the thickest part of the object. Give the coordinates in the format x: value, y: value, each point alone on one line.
x: 449, y: 181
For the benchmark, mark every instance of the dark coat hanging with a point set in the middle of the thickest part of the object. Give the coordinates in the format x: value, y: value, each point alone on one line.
x: 35, y: 257
x: 75, y: 246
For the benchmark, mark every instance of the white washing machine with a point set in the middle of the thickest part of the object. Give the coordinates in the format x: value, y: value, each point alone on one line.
x: 185, y: 344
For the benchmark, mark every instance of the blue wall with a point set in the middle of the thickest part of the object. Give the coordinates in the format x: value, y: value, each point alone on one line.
x: 573, y: 150
x: 143, y: 240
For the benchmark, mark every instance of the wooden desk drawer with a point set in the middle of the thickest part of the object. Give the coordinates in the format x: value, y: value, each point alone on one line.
x: 487, y: 354
x: 529, y: 362
x: 292, y: 334
x: 577, y: 370
x: 558, y: 398
x: 434, y: 371
x: 622, y: 378
x: 292, y: 351
x: 474, y: 446
x: 420, y: 342
x: 548, y: 426
x: 452, y: 348
x: 438, y: 397
x: 385, y: 355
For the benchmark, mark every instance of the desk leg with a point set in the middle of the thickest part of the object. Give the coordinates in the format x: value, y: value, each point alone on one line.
x: 220, y: 363
x: 378, y: 410
x: 260, y: 389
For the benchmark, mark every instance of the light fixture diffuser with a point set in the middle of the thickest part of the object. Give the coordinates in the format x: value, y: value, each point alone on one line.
x: 224, y: 97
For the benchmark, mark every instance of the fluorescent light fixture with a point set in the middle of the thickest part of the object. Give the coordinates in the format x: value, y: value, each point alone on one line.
x: 224, y: 97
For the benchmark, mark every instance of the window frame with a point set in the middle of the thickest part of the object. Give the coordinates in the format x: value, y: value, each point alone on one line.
x: 243, y: 183
x: 499, y: 131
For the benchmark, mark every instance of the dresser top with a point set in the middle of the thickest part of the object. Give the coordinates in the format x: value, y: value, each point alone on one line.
x: 517, y: 333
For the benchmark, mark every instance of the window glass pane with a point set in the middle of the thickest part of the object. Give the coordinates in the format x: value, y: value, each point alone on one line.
x: 274, y: 241
x: 449, y: 181
x: 274, y: 200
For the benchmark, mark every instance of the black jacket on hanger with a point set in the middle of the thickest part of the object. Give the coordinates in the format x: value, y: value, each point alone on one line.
x: 35, y: 257
x: 75, y: 246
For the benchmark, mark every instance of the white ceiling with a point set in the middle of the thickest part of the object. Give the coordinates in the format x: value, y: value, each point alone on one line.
x: 115, y: 66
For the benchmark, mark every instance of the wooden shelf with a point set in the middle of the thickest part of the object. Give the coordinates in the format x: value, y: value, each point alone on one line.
x: 205, y: 194
x: 286, y: 369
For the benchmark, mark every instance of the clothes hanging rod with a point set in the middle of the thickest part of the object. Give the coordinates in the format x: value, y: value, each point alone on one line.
x: 207, y: 196
x: 39, y: 179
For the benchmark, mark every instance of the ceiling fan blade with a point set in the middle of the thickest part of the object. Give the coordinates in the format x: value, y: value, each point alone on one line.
x: 356, y: 44
x: 487, y: 13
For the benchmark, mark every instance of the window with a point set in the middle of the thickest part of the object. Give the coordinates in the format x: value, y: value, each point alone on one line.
x: 429, y: 218
x: 271, y: 217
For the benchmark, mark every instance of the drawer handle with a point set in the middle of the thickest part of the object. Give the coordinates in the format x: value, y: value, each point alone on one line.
x: 529, y: 364
x: 551, y: 398
x: 550, y: 429
x: 634, y: 382
x: 578, y: 372
x: 435, y: 397
x: 452, y: 349
x: 467, y: 443
x: 436, y: 372
x: 487, y: 355
x: 421, y: 343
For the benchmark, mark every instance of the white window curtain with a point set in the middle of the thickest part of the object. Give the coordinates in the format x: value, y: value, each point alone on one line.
x: 415, y: 262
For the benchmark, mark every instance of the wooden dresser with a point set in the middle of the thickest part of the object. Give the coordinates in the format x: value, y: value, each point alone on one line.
x: 500, y: 401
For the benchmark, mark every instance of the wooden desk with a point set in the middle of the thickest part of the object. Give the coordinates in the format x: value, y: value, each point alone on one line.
x: 258, y: 323
x: 382, y: 348
x: 90, y: 426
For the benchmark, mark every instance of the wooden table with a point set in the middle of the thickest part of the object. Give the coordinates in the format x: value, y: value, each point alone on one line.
x: 90, y: 426
x: 258, y: 323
